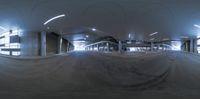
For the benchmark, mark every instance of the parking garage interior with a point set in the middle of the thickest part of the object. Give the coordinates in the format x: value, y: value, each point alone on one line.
x: 99, y: 49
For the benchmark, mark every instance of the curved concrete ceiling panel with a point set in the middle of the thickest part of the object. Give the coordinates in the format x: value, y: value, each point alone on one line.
x: 119, y: 18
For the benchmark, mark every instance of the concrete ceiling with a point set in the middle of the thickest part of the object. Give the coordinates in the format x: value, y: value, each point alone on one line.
x: 171, y: 18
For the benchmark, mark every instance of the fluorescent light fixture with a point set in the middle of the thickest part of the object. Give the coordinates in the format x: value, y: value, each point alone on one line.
x: 152, y: 34
x: 56, y: 17
x: 3, y: 28
x: 197, y: 26
x: 93, y: 29
x: 152, y: 39
x: 184, y: 37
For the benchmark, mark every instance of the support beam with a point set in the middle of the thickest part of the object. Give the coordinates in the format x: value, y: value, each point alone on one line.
x: 120, y: 47
x: 108, y: 47
x: 152, y: 46
x: 158, y: 47
x: 195, y: 46
x: 191, y: 45
x: 60, y: 41
x: 43, y: 47
x: 97, y: 47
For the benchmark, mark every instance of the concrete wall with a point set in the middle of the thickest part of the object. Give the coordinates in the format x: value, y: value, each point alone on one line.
x: 52, y: 43
x: 30, y: 45
x: 64, y: 46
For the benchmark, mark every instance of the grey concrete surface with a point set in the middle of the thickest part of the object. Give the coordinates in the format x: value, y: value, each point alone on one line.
x: 84, y: 75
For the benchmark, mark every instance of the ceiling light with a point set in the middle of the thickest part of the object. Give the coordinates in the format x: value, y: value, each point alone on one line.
x: 152, y: 34
x: 197, y: 26
x: 93, y: 29
x: 3, y: 28
x: 152, y: 39
x: 56, y: 17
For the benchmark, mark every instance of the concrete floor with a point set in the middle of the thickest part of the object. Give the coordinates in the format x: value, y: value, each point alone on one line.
x: 78, y: 75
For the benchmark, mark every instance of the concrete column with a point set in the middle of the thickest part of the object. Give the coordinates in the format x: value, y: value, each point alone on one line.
x: 162, y: 46
x: 108, y: 47
x: 43, y: 45
x: 92, y: 47
x: 68, y: 46
x: 187, y: 46
x: 97, y: 47
x: 158, y: 47
x: 195, y: 46
x: 120, y: 47
x: 191, y: 45
x: 152, y: 46
x: 60, y: 41
x: 103, y: 47
x: 10, y: 52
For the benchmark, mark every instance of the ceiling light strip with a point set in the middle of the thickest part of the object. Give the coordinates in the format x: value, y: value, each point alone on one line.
x: 54, y: 18
x: 3, y: 28
x: 197, y: 26
x: 152, y: 34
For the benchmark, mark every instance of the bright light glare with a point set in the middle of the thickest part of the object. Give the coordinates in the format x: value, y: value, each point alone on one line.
x: 176, y: 45
x: 7, y: 44
x: 79, y: 45
x: 15, y: 53
x: 197, y: 26
x: 56, y: 17
x: 129, y: 36
x: 198, y: 49
x: 132, y: 49
x: 5, y: 52
x: 93, y: 29
x: 152, y: 34
x: 3, y: 28
x: 198, y: 42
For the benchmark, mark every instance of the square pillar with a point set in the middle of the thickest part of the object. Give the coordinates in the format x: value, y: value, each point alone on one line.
x: 152, y: 46
x: 191, y: 45
x: 120, y: 47
x: 43, y: 47
x: 60, y: 41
